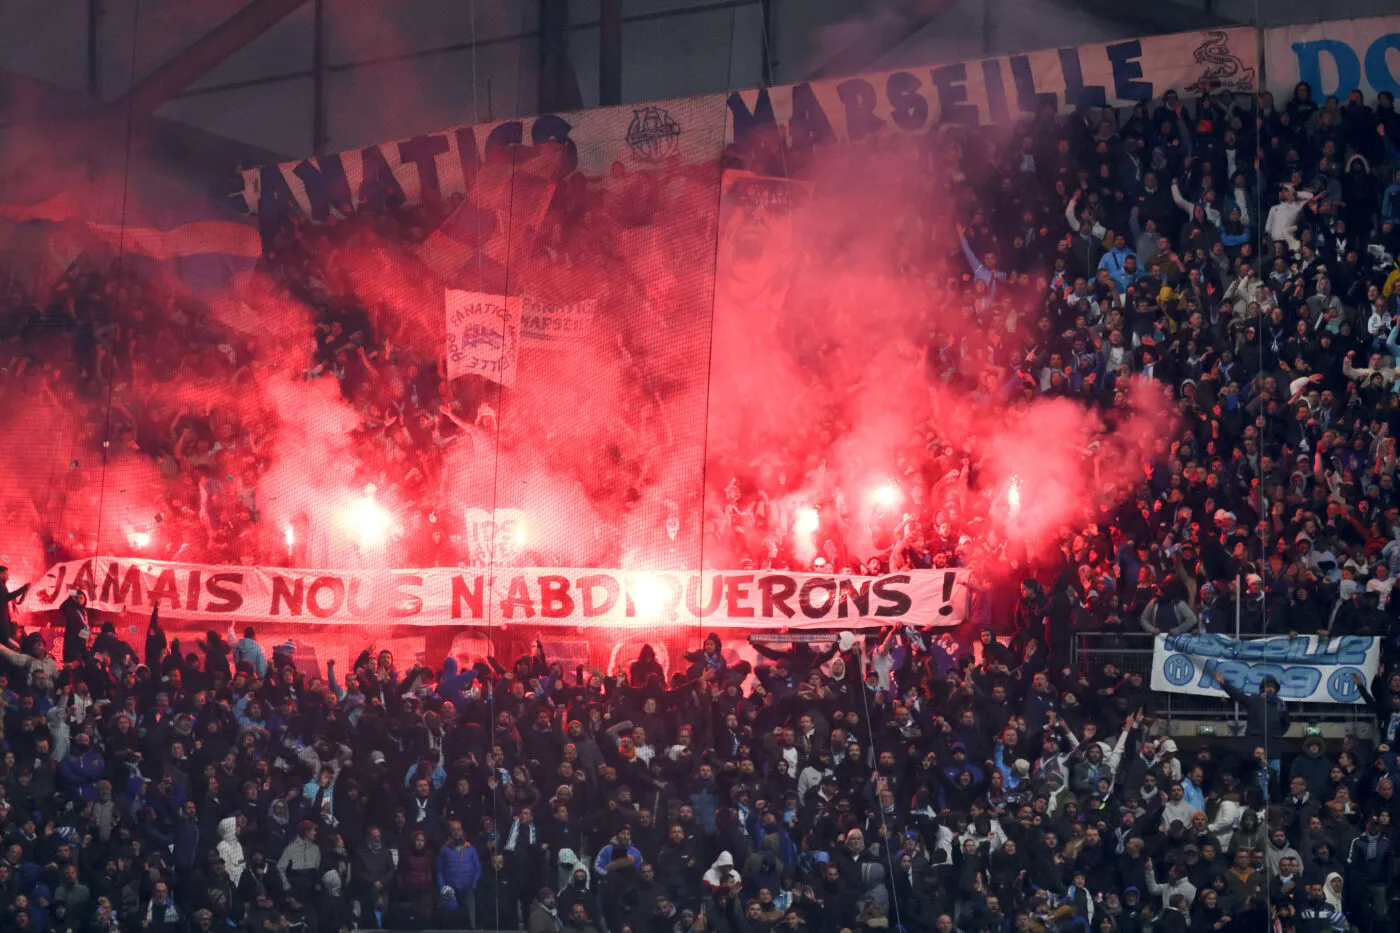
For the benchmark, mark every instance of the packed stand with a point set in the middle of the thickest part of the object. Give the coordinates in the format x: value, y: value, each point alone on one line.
x: 886, y: 781
x: 900, y: 782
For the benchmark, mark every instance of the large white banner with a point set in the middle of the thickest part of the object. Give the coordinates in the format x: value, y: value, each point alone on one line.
x: 1335, y: 58
x: 483, y: 336
x: 523, y: 596
x: 1000, y: 90
x: 442, y: 164
x: 1308, y: 669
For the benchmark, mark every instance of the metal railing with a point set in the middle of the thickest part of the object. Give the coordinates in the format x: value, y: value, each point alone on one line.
x: 1131, y: 652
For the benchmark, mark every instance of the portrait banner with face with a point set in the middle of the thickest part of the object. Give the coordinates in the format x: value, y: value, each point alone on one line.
x: 756, y: 255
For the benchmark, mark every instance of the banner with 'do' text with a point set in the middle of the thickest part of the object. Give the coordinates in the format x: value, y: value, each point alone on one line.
x: 1308, y: 669
x: 509, y: 595
x: 1335, y: 58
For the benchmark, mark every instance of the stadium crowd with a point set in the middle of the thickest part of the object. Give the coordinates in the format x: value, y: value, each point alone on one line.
x: 1242, y: 254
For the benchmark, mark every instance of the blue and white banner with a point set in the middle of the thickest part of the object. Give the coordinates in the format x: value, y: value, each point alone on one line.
x: 1309, y: 669
x: 1000, y: 90
x: 1335, y: 58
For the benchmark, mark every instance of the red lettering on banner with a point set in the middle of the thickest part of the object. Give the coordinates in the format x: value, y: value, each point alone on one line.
x: 192, y: 590
x: 851, y: 594
x: 785, y: 587
x: 226, y: 588
x: 291, y: 595
x: 84, y: 581
x: 736, y: 590
x: 549, y: 595
x: 166, y: 588
x: 518, y: 595
x: 320, y: 584
x: 804, y: 597
x: 51, y: 596
x: 586, y: 586
x: 692, y: 595
x: 128, y: 587
x: 353, y: 603
x: 900, y: 602
x: 471, y: 595
x: 555, y: 601
x: 407, y: 604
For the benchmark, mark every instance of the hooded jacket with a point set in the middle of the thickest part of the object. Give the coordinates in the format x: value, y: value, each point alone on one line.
x: 454, y: 683
x: 713, y: 877
x: 231, y: 850
x: 1266, y: 716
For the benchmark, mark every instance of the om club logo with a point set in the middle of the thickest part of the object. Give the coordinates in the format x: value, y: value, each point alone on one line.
x: 653, y: 134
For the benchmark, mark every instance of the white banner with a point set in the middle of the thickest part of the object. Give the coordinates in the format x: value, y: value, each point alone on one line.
x: 526, y: 596
x: 440, y: 165
x: 1000, y: 90
x: 1307, y: 668
x: 556, y: 324
x: 1335, y: 58
x: 483, y: 336
x: 495, y: 538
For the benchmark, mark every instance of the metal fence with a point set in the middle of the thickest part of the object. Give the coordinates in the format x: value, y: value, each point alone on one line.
x: 1132, y: 653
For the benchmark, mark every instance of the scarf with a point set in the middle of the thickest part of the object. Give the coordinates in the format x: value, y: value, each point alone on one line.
x: 170, y: 914
x: 514, y: 836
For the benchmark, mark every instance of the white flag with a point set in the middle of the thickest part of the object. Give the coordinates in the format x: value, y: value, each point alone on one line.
x: 483, y: 336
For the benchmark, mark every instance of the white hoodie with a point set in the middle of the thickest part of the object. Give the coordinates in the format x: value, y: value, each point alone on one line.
x: 230, y: 849
x: 713, y: 878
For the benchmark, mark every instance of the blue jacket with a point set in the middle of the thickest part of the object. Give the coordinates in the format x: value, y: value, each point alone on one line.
x: 453, y: 685
x: 610, y: 852
x: 247, y: 649
x: 458, y: 867
x: 1114, y: 259
x: 1122, y: 278
x: 1390, y: 203
x: 186, y: 842
x: 81, y: 773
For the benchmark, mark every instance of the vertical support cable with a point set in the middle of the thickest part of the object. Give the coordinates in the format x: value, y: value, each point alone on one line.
x: 609, y: 53
x: 767, y: 44
x: 94, y: 29
x: 121, y: 268
x: 320, y: 138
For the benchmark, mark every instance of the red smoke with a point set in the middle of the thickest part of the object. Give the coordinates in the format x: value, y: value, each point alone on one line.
x: 703, y: 423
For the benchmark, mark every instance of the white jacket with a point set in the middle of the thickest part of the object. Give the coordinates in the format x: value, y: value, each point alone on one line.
x: 1226, y: 819
x: 230, y: 849
x: 1283, y: 219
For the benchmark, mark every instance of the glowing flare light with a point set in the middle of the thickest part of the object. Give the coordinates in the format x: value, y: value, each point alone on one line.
x: 648, y: 594
x: 808, y: 520
x: 886, y: 496
x: 1013, y: 495
x: 368, y: 521
x: 138, y: 539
